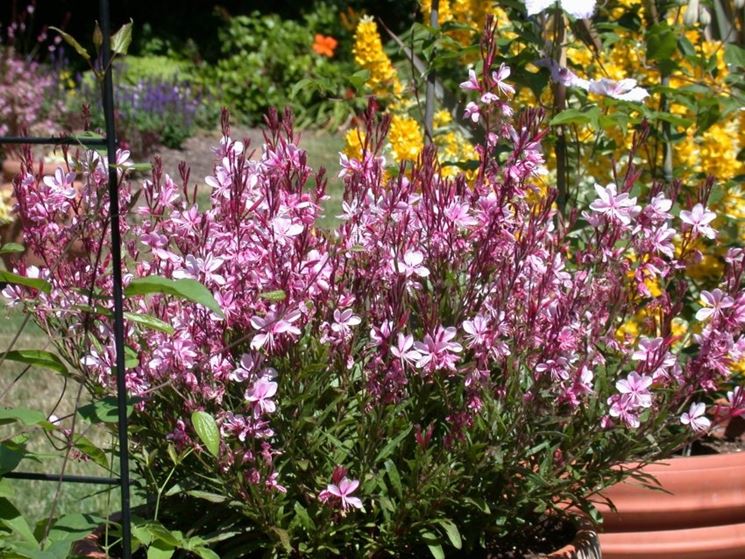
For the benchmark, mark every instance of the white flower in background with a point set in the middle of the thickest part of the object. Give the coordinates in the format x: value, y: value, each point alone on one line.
x: 580, y: 9
x: 625, y: 90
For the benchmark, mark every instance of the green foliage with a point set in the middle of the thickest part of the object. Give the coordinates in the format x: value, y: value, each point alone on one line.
x: 264, y: 57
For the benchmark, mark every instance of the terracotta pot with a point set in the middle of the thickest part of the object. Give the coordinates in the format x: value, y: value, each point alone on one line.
x: 701, y: 514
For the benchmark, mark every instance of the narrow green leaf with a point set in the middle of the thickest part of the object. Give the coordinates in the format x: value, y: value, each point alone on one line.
x: 11, y: 248
x: 37, y: 357
x: 207, y: 496
x: 207, y: 431
x: 394, y: 477
x: 87, y: 447
x: 70, y: 40
x: 205, y: 553
x: 149, y: 322
x: 35, y: 283
x: 121, y: 40
x: 451, y: 530
x: 433, y: 544
x: 189, y: 289
x: 304, y: 518
x: 284, y: 538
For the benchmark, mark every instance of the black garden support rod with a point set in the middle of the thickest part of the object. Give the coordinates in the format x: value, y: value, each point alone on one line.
x: 116, y: 260
x: 109, y: 142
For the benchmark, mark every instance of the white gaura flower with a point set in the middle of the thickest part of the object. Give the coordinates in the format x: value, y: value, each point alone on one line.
x: 580, y: 9
x: 625, y: 90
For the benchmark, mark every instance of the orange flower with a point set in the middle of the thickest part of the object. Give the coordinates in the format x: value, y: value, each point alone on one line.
x: 324, y: 45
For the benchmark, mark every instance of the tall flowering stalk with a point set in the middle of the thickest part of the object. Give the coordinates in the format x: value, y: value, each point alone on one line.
x: 446, y: 363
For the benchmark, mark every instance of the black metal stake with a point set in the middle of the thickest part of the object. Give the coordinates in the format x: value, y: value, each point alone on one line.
x: 116, y: 260
x: 107, y: 92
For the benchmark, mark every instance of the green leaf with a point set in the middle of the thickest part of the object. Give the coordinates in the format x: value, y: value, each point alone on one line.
x: 388, y: 449
x: 121, y: 40
x: 451, y: 530
x: 186, y: 288
x: 284, y: 538
x: 24, y: 415
x: 304, y: 518
x: 394, y: 477
x: 11, y: 518
x: 11, y: 455
x: 87, y: 447
x: 11, y: 248
x: 37, y: 357
x: 105, y: 410
x: 70, y: 40
x: 74, y: 527
x: 6, y: 488
x: 149, y: 322
x: 277, y: 295
x: 205, y: 553
x: 662, y: 42
x: 576, y: 116
x: 160, y: 550
x: 734, y: 55
x: 207, y: 431
x: 207, y: 496
x: 35, y: 283
x: 433, y: 544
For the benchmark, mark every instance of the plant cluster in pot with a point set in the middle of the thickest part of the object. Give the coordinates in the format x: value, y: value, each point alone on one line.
x: 439, y: 375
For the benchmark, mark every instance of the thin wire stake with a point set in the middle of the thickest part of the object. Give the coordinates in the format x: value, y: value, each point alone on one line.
x: 116, y: 260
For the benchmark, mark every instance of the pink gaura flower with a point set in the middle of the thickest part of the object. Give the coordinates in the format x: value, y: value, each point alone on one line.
x: 61, y: 184
x: 636, y: 386
x: 499, y: 75
x: 412, y: 264
x: 271, y: 325
x: 260, y: 396
x: 617, y: 207
x: 697, y: 221
x: 715, y: 302
x: 472, y: 84
x: 623, y: 408
x: 338, y: 492
x: 477, y: 330
x: 438, y: 351
x: 404, y: 349
x: 344, y: 320
x: 472, y: 112
x: 695, y: 417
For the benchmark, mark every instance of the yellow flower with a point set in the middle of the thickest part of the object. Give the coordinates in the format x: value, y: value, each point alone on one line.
x: 355, y: 141
x: 369, y: 54
x: 406, y: 138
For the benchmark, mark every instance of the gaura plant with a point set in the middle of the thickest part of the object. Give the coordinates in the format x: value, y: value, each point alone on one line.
x: 442, y: 371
